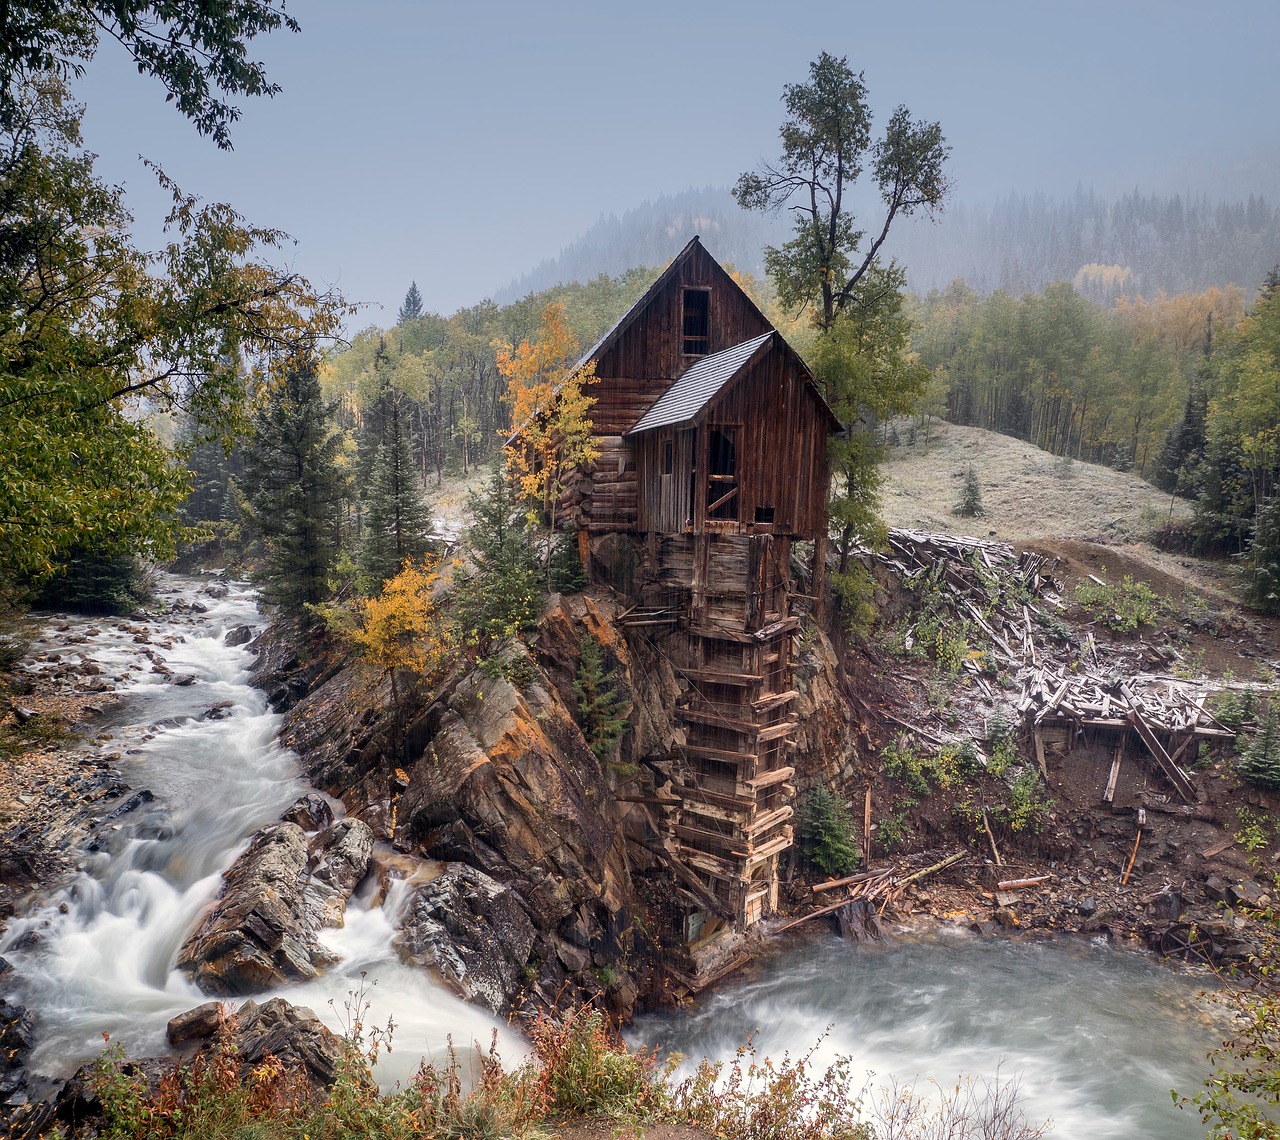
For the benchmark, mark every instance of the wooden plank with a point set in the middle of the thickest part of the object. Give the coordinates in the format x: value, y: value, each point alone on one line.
x: 768, y: 779
x: 1109, y: 795
x: 774, y: 700
x: 1044, y: 767
x: 1176, y: 775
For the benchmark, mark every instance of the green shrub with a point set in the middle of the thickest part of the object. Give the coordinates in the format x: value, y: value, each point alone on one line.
x: 1260, y: 759
x: 1122, y: 608
x: 970, y: 504
x: 826, y: 835
x: 567, y: 575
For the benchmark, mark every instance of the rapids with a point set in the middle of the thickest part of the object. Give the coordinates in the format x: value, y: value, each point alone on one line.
x: 97, y: 956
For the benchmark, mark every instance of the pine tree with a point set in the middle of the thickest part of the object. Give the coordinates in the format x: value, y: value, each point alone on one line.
x: 970, y: 504
x: 496, y: 589
x: 293, y: 489
x: 1264, y: 558
x: 397, y: 521
x: 412, y: 307
x: 1260, y: 760
x: 826, y: 835
x: 601, y: 709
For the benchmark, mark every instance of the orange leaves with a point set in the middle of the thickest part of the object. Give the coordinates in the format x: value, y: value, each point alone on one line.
x: 549, y: 410
x: 400, y: 630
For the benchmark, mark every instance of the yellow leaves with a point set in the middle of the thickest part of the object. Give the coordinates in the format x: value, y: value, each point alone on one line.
x: 549, y: 409
x: 400, y: 629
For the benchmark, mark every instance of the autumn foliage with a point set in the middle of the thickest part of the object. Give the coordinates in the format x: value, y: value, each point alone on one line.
x: 400, y: 631
x: 549, y: 410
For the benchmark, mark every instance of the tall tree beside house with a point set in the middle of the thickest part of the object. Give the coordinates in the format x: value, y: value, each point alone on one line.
x: 294, y: 486
x: 549, y: 407
x: 826, y: 144
x: 862, y: 358
x: 495, y: 585
x: 411, y: 308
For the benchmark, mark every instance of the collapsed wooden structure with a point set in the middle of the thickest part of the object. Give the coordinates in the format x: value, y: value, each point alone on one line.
x: 1089, y: 700
x: 712, y: 464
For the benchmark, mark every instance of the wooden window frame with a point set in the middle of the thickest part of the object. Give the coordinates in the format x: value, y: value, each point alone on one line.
x: 705, y: 338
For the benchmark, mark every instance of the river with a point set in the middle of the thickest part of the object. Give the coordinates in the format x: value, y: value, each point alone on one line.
x: 1097, y: 1038
x: 107, y: 942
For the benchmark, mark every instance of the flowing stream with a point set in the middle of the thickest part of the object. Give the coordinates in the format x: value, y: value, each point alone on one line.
x: 98, y: 956
x: 1096, y: 1038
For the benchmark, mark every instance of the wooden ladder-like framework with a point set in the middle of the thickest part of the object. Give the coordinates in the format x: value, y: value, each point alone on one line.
x: 733, y: 775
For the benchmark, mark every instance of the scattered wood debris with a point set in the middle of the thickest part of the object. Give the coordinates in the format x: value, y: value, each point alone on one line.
x: 881, y: 887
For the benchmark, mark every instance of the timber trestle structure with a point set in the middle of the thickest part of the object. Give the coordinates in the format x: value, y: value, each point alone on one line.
x: 712, y: 461
x: 732, y: 646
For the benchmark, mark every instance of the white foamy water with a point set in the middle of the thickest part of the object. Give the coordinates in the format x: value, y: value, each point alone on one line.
x: 104, y: 962
x: 1095, y: 1037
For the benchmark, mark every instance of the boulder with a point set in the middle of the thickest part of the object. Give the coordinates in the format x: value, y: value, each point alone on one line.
x: 311, y: 812
x: 473, y: 930
x: 239, y: 635
x: 257, y: 936
x: 339, y: 860
x: 197, y: 1024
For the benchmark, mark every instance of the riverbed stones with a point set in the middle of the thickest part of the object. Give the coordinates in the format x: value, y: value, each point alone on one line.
x: 473, y: 930
x: 339, y: 860
x: 311, y: 812
x: 238, y: 635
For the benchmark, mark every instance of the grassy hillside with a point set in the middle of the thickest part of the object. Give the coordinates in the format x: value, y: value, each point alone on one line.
x: 1026, y: 493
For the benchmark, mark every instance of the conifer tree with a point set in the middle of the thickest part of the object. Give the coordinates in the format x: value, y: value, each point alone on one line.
x: 412, y: 307
x: 970, y: 504
x: 294, y: 486
x: 1260, y: 760
x: 601, y: 708
x: 496, y: 587
x: 1264, y: 558
x: 397, y: 521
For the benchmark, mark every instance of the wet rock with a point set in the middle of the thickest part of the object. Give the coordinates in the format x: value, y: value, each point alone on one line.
x: 217, y: 590
x: 1087, y: 907
x: 473, y: 930
x: 240, y: 635
x: 135, y: 801
x: 218, y: 711
x: 257, y: 936
x: 292, y: 1034
x: 311, y: 812
x: 197, y: 1024
x: 182, y: 679
x: 1006, y: 917
x: 340, y: 859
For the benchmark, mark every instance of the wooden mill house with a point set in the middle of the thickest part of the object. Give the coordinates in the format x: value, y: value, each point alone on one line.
x: 712, y: 462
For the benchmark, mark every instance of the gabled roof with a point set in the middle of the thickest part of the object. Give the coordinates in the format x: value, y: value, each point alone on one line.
x: 699, y: 386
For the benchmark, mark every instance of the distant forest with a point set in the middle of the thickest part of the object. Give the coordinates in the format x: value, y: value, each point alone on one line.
x: 1136, y: 246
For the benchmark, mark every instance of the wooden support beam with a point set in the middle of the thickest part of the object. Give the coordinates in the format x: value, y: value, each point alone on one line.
x: 1177, y: 777
x: 768, y: 779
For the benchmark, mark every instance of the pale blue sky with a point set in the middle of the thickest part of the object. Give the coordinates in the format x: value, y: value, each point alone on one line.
x: 460, y: 144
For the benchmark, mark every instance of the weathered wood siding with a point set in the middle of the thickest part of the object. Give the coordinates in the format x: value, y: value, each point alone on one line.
x: 780, y: 440
x: 648, y: 354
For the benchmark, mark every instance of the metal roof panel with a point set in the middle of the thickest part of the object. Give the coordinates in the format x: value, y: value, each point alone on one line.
x: 698, y: 386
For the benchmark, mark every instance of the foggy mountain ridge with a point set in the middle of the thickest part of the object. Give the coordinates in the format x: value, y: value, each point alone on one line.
x: 1020, y: 243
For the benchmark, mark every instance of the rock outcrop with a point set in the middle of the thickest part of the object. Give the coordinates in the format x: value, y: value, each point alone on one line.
x: 473, y: 930
x: 262, y: 931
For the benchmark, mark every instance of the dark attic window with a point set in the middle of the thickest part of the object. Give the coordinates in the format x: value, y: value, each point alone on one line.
x: 697, y: 321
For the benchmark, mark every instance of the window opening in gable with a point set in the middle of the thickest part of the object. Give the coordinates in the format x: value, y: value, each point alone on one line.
x: 697, y: 321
